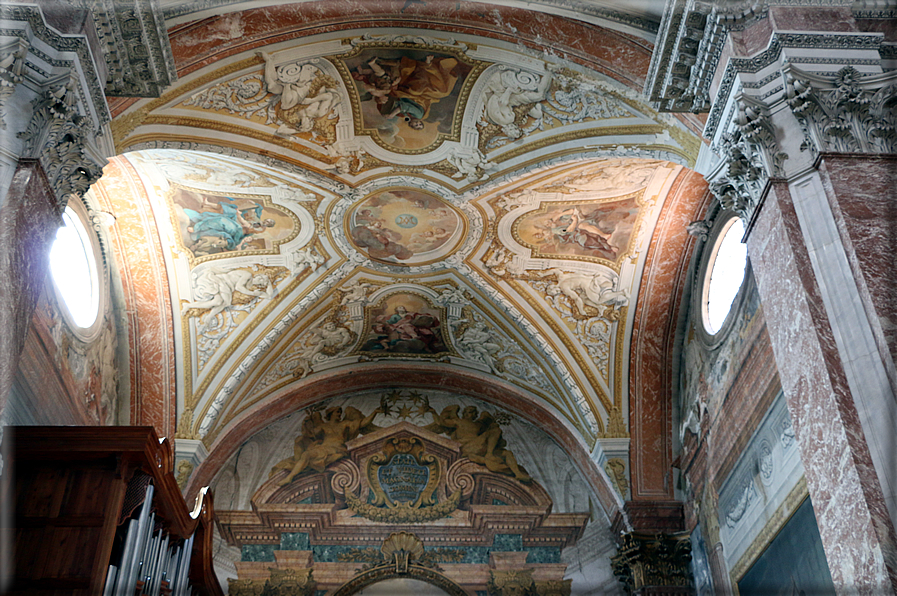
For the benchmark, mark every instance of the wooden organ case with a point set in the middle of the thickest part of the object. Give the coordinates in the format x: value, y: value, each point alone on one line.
x: 98, y: 512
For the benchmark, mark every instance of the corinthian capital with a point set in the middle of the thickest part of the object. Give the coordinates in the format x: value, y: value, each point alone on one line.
x: 57, y: 135
x: 846, y: 113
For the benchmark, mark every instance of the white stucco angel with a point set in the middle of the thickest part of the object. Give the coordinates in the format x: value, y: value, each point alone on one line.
x: 296, y: 86
x: 586, y: 289
x: 326, y: 340
x: 478, y: 344
x: 306, y: 257
x: 356, y: 292
x: 215, y: 288
x: 511, y: 88
x: 471, y: 163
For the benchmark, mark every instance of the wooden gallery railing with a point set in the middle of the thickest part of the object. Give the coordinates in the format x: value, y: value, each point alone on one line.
x: 98, y: 512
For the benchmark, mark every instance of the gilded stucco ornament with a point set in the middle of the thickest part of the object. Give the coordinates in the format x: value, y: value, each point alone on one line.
x: 653, y: 561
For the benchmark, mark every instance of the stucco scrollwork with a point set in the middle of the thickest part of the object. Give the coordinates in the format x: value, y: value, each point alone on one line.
x: 510, y: 89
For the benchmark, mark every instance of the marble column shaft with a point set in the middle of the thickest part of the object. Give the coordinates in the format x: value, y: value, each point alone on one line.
x: 29, y: 219
x: 854, y: 524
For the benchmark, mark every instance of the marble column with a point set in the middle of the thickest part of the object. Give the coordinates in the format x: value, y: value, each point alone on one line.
x: 805, y: 285
x: 29, y: 219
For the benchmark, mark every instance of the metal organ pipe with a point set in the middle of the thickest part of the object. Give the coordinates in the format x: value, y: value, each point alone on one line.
x: 150, y: 558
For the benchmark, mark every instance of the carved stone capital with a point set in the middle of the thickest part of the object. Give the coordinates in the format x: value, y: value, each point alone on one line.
x: 751, y: 157
x: 12, y: 62
x: 845, y: 113
x: 654, y: 563
x: 57, y: 136
x: 517, y: 582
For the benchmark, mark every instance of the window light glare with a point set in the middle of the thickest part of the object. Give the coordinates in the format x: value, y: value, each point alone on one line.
x: 74, y: 272
x: 726, y: 276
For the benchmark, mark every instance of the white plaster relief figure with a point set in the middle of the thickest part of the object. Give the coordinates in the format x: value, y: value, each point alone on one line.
x: 477, y: 343
x: 452, y: 296
x: 326, y: 340
x: 306, y: 258
x: 583, y: 289
x: 224, y: 294
x: 509, y: 89
x: 357, y: 292
x: 497, y: 261
x: 214, y: 288
x: 296, y: 86
x: 470, y: 163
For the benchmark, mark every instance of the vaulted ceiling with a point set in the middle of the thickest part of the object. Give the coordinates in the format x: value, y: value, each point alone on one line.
x: 338, y: 197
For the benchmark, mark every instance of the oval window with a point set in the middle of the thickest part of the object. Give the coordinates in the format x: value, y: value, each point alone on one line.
x: 725, y: 275
x: 74, y: 270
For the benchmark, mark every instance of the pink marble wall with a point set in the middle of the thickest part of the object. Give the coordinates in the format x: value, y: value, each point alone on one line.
x: 861, y: 191
x: 653, y: 336
x: 28, y: 222
x: 138, y: 253
x: 47, y: 390
x: 858, y: 539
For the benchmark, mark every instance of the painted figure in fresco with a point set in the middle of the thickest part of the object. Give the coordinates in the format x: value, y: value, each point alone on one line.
x: 405, y: 332
x: 481, y: 439
x: 406, y: 88
x: 323, y: 440
x: 572, y: 227
x: 225, y: 222
x: 380, y: 241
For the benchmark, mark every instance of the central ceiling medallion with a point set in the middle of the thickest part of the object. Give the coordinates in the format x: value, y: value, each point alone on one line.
x: 402, y: 226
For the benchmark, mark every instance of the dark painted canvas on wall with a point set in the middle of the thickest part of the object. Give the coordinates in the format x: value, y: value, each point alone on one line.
x: 793, y: 563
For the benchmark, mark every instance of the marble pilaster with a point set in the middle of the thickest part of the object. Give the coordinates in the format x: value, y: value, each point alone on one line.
x: 857, y: 535
x: 29, y: 219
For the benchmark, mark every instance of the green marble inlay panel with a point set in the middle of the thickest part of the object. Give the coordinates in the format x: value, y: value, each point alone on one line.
x: 258, y: 553
x: 294, y: 541
x: 329, y: 553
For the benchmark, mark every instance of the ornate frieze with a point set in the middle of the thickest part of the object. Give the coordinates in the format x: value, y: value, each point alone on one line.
x: 646, y: 561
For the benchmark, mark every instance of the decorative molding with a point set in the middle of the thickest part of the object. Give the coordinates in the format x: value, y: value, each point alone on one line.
x: 737, y: 66
x: 775, y: 524
x: 76, y: 44
x: 12, y: 62
x: 137, y: 51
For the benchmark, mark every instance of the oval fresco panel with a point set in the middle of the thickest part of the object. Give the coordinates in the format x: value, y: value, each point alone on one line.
x: 405, y: 227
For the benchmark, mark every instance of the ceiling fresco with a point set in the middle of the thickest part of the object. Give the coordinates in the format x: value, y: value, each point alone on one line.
x: 348, y: 211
